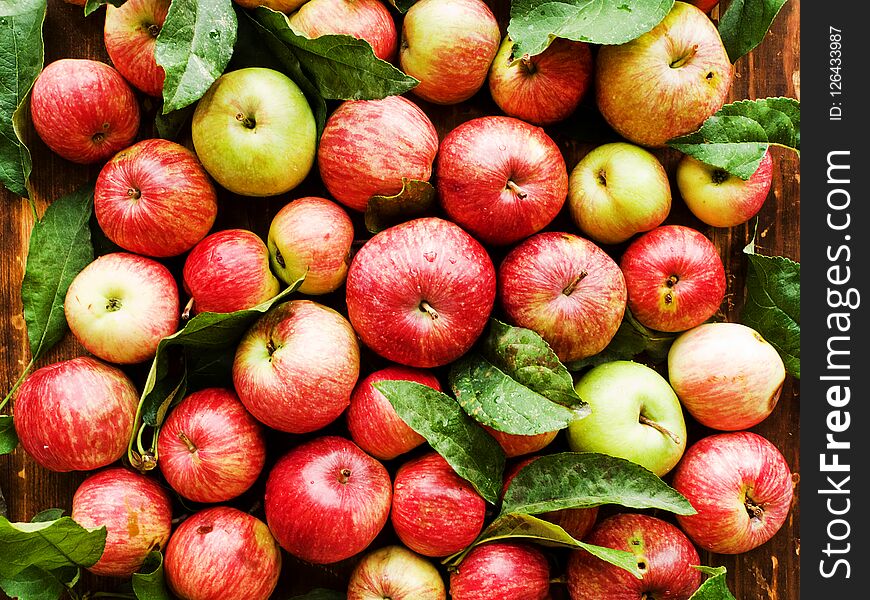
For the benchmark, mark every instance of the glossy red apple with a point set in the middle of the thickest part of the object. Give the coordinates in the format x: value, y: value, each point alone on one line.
x: 396, y: 573
x: 368, y: 146
x: 665, y: 557
x: 296, y: 366
x: 154, y: 198
x: 83, y: 110
x: 565, y: 288
x: 76, y: 415
x: 135, y: 511
x: 221, y: 553
x: 518, y: 445
x: 420, y: 293
x: 229, y: 271
x: 326, y: 500
x: 501, y: 179
x: 503, y: 570
x: 373, y: 422
x: 435, y: 512
x: 541, y: 89
x: 367, y: 20
x: 705, y: 5
x: 130, y: 35
x: 211, y: 449
x: 675, y: 278
x: 741, y: 486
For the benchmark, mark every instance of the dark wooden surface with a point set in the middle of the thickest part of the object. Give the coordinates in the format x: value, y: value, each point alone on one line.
x: 770, y: 572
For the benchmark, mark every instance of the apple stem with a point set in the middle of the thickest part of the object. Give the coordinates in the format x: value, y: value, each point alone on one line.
x: 528, y: 65
x: 134, y: 194
x: 515, y: 189
x: 190, y: 446
x: 344, y: 476
x: 188, y: 309
x: 569, y: 289
x: 248, y: 122
x: 754, y: 510
x: 427, y: 308
x: 682, y: 60
x: 658, y: 427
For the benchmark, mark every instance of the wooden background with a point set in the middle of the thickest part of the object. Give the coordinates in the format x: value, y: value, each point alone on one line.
x: 770, y: 572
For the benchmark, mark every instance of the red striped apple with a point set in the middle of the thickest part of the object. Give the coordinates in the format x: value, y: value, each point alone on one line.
x: 396, y: 573
x: 367, y: 20
x: 517, y: 445
x: 130, y: 35
x: 503, y: 570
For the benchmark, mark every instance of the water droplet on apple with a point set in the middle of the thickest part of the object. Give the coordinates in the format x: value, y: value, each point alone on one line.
x: 430, y: 256
x: 214, y: 34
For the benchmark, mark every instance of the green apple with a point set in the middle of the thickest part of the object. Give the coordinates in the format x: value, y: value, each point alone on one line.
x: 618, y: 190
x: 635, y: 415
x: 254, y: 132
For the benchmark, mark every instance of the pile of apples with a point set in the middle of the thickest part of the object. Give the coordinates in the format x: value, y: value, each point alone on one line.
x: 418, y: 295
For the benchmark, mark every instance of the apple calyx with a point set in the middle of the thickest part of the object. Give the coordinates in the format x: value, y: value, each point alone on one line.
x: 685, y: 58
x: 248, y: 122
x: 427, y: 308
x: 755, y: 511
x: 719, y: 176
x: 512, y: 186
x: 670, y: 282
x: 153, y: 29
x: 569, y: 289
x: 528, y: 65
x: 134, y: 194
x: 660, y: 428
x: 113, y: 304
x: 99, y: 136
x: 191, y: 447
x: 344, y: 476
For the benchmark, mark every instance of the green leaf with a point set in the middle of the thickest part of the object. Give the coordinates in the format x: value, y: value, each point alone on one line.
x: 745, y: 23
x: 169, y: 125
x: 471, y: 451
x: 149, y: 583
x: 631, y: 339
x: 35, y: 583
x: 92, y: 5
x: 8, y: 437
x: 340, y: 66
x: 321, y: 594
x: 737, y: 136
x: 715, y: 587
x: 534, y: 23
x: 416, y: 199
x: 23, y: 54
x: 194, y: 47
x: 49, y: 514
x: 47, y: 545
x: 582, y: 480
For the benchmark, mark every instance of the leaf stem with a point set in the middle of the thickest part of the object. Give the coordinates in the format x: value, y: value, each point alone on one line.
x: 18, y: 383
x: 660, y: 428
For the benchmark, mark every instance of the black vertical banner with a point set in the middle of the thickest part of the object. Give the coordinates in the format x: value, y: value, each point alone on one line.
x: 835, y: 256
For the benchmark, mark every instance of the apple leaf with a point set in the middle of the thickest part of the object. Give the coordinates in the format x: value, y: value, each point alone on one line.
x: 631, y: 339
x: 402, y: 5
x: 149, y: 583
x: 417, y: 199
x: 737, y: 136
x: 471, y: 451
x: 535, y: 23
x: 582, y: 480
x: 321, y: 594
x: 47, y: 545
x: 91, y: 6
x: 22, y: 49
x: 194, y: 47
x: 745, y: 23
x: 8, y: 437
x: 342, y: 67
x: 715, y: 587
x: 35, y: 583
x: 169, y: 125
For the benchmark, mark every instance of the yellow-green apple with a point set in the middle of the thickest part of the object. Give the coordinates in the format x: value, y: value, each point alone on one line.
x: 541, y: 89
x: 154, y: 198
x: 130, y: 35
x: 720, y: 199
x: 76, y: 415
x: 396, y: 573
x: 121, y: 305
x: 367, y: 20
x: 435, y: 511
x: 685, y: 75
x: 635, y: 415
x: 448, y: 46
x: 618, y: 190
x: 675, y: 278
x: 229, y: 271
x: 134, y: 509
x: 503, y: 570
x: 518, y: 445
x: 296, y: 367
x: 326, y: 500
x: 566, y: 289
x: 83, y: 110
x: 373, y: 422
x: 311, y: 237
x: 369, y: 146
x: 501, y: 179
x: 211, y: 449
x: 665, y: 558
x: 254, y: 132
x: 726, y: 375
x: 420, y: 293
x: 220, y: 553
x: 741, y: 486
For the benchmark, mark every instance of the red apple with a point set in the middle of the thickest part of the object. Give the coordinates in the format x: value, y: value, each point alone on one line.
x: 83, y: 110
x: 396, y: 573
x: 517, y: 445
x: 135, y: 511
x: 368, y: 146
x: 311, y: 237
x: 367, y: 20
x: 705, y: 5
x: 741, y: 486
x: 229, y: 271
x: 76, y: 415
x: 448, y: 46
x: 211, y: 449
x: 121, y: 305
x: 541, y: 89
x: 326, y: 500
x: 665, y: 557
x: 420, y: 293
x: 501, y: 179
x: 503, y: 570
x: 373, y: 422
x: 435, y: 512
x: 675, y: 278
x: 154, y: 198
x: 221, y: 553
x: 130, y: 35
x: 565, y: 288
x: 296, y: 367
